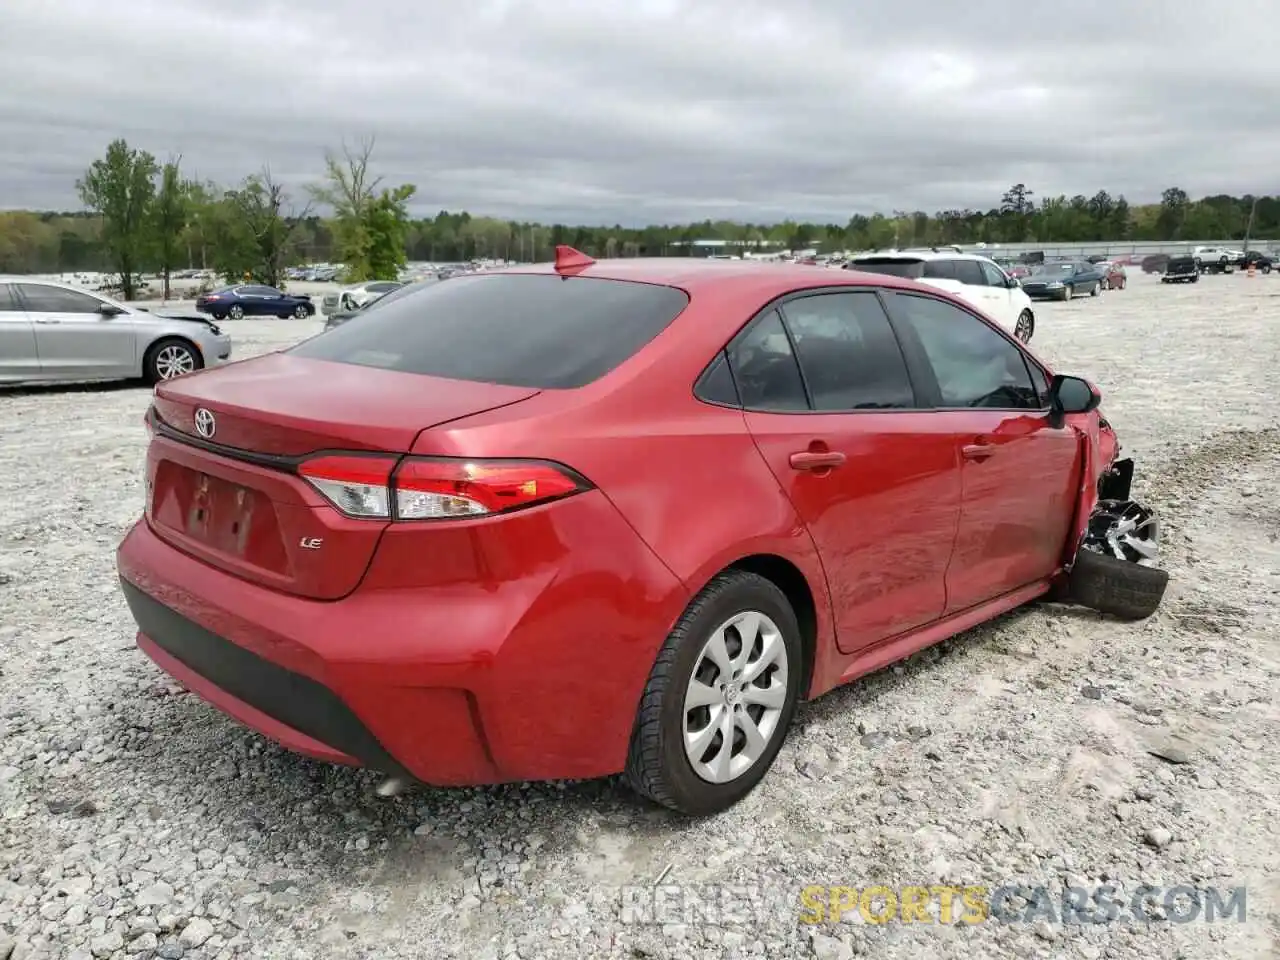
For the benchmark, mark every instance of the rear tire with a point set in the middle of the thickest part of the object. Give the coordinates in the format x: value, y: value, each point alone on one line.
x: 1025, y: 328
x: 659, y: 764
x: 1119, y: 588
x: 1097, y: 289
x: 169, y: 358
x: 235, y: 312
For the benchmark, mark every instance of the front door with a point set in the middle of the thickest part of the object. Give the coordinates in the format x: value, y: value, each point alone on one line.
x: 1019, y: 474
x: 74, y: 339
x: 19, y: 358
x: 872, y: 478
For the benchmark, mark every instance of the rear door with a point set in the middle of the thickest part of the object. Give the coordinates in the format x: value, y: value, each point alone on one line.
x: 74, y: 339
x: 19, y: 358
x: 1002, y: 306
x: 872, y: 477
x: 260, y: 301
x: 1019, y: 474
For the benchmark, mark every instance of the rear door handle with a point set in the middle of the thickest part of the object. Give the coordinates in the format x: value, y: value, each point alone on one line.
x: 46, y: 320
x: 814, y: 460
x: 977, y: 451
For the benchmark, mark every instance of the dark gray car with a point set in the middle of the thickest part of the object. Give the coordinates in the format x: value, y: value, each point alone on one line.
x: 52, y: 331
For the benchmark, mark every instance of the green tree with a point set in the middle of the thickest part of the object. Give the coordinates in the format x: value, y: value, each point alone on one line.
x: 120, y: 187
x: 171, y: 212
x: 254, y: 231
x: 370, y: 226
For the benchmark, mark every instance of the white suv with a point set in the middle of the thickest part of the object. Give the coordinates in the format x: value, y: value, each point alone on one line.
x: 975, y: 279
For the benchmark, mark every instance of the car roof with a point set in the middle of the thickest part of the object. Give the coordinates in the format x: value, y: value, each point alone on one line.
x: 921, y: 255
x: 700, y: 277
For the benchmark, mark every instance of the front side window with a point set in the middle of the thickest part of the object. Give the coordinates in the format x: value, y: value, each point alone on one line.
x: 8, y: 302
x: 42, y: 299
x: 993, y: 275
x: 765, y: 369
x: 974, y: 365
x: 848, y: 352
x: 969, y: 272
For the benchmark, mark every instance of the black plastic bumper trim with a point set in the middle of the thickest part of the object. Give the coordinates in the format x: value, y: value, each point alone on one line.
x: 292, y: 699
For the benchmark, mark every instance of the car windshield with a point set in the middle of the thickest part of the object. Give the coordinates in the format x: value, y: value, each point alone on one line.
x: 909, y: 267
x: 1052, y: 269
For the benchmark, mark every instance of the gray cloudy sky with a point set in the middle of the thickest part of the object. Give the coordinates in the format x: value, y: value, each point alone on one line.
x: 640, y: 111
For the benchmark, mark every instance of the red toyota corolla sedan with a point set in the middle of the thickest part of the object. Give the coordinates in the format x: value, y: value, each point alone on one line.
x: 568, y: 521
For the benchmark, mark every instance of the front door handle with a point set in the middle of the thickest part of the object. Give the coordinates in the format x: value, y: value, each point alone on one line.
x: 977, y: 451
x: 817, y: 460
x: 46, y: 320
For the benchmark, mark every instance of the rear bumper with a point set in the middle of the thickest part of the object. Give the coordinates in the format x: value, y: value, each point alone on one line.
x: 470, y: 682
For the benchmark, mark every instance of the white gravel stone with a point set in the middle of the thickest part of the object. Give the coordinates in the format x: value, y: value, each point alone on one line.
x: 990, y: 765
x: 196, y: 932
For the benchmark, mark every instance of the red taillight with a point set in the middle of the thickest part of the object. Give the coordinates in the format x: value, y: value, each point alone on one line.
x: 356, y: 485
x: 435, y: 488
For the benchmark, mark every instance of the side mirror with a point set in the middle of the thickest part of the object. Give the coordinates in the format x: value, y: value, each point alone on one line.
x: 1013, y: 283
x: 1071, y: 395
x: 107, y: 310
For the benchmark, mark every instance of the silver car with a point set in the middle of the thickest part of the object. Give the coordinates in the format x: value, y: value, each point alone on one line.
x: 51, y: 331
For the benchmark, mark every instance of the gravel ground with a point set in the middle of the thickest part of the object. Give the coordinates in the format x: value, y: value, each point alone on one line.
x: 137, y: 821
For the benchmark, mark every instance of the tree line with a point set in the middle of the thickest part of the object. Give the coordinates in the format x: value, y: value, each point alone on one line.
x: 145, y: 216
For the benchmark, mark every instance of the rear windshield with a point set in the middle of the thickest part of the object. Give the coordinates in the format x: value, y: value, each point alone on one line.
x: 520, y: 330
x: 892, y: 266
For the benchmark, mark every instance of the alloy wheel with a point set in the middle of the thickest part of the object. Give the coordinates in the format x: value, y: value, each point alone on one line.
x: 734, y: 702
x: 1024, y: 327
x: 174, y: 360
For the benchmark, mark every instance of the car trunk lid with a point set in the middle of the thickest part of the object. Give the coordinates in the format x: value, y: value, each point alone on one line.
x: 230, y: 493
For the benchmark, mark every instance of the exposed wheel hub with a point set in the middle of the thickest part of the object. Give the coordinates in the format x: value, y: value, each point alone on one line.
x: 1126, y: 530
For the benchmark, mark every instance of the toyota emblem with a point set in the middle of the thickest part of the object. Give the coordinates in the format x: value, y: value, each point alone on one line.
x: 205, y: 424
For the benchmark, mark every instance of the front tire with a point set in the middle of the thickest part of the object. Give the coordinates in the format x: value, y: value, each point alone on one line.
x: 1025, y: 328
x: 720, y: 697
x: 1068, y: 292
x: 170, y: 358
x: 300, y: 312
x: 235, y: 312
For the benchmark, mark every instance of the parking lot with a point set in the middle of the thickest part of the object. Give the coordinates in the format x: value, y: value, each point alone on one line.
x: 134, y: 819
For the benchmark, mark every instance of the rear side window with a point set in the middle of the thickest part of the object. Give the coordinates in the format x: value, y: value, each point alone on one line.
x: 940, y: 270
x: 848, y: 352
x: 890, y: 266
x: 716, y: 385
x: 520, y: 330
x: 8, y: 302
x: 765, y: 368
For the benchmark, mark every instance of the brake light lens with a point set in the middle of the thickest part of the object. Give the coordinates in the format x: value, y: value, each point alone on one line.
x: 358, y: 486
x: 436, y: 488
